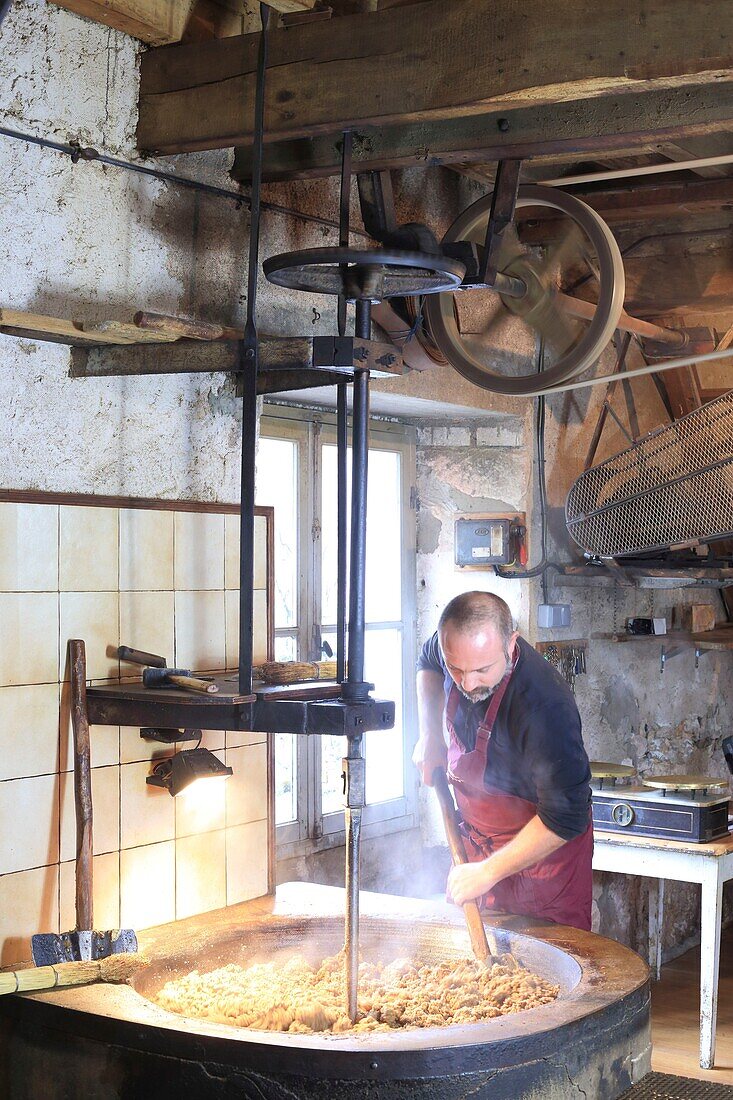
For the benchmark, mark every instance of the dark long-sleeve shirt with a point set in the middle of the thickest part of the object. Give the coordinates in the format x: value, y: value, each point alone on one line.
x: 536, y: 749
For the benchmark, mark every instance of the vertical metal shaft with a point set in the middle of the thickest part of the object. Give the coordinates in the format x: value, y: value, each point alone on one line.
x: 342, y: 531
x: 341, y: 426
x: 354, y: 775
x: 355, y: 688
x: 248, y: 364
x: 359, y: 470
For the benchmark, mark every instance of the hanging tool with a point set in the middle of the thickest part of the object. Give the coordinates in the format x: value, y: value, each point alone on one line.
x: 156, y: 674
x: 36, y: 979
x: 482, y: 949
x: 83, y: 943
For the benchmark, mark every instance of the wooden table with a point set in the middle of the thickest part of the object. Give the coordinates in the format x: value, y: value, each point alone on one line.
x: 709, y: 864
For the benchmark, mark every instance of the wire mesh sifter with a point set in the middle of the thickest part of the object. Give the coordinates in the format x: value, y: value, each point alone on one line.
x: 671, y: 488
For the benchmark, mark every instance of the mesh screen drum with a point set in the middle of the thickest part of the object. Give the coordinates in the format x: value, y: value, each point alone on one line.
x: 672, y: 487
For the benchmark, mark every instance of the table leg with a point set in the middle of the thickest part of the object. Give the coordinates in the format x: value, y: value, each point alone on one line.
x: 712, y: 911
x: 656, y: 924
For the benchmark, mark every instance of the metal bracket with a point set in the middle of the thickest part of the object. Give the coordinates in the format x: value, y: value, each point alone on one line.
x: 501, y: 215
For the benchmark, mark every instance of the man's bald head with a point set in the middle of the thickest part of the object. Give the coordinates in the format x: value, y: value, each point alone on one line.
x: 472, y: 612
x: 477, y: 639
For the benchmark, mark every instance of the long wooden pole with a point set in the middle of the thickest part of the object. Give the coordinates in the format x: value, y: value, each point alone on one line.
x: 476, y: 929
x: 82, y: 786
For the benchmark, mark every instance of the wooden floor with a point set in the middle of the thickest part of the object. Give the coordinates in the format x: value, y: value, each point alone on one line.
x: 676, y: 1017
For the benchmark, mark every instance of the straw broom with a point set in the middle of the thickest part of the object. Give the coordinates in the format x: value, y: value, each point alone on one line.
x: 115, y: 968
x: 293, y: 672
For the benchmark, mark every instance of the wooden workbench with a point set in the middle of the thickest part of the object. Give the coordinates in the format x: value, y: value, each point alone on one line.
x: 709, y: 864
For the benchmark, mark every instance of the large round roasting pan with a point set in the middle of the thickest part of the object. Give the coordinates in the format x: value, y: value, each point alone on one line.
x: 112, y: 1041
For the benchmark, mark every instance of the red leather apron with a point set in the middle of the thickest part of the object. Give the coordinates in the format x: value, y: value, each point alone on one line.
x: 558, y: 888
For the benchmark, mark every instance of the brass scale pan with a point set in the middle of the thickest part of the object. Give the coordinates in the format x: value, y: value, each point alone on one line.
x: 602, y: 770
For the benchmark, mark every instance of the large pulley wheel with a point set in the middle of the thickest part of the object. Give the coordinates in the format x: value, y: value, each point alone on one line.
x: 543, y: 304
x: 364, y: 274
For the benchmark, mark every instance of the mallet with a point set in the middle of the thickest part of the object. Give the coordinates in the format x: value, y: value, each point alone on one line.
x: 180, y: 677
x: 157, y: 674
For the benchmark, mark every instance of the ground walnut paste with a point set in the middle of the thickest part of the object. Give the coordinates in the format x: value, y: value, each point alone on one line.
x: 296, y: 997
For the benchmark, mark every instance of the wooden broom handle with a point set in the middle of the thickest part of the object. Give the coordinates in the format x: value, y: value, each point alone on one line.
x: 476, y: 929
x: 82, y: 786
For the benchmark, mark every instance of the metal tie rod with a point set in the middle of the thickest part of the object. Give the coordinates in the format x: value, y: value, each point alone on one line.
x: 653, y: 368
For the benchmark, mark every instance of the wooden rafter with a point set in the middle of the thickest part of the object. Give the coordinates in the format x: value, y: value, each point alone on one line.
x: 435, y: 60
x: 618, y: 122
x: 154, y: 21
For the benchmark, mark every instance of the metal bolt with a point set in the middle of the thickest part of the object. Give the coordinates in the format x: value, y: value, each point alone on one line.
x: 503, y: 124
x: 374, y: 1065
x: 249, y: 353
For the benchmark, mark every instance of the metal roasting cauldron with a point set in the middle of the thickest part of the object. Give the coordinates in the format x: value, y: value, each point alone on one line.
x: 103, y: 1042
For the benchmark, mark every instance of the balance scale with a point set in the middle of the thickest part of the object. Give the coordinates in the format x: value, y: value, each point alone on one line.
x: 672, y: 807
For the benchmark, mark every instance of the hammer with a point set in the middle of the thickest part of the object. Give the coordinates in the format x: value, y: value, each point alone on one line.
x: 157, y: 674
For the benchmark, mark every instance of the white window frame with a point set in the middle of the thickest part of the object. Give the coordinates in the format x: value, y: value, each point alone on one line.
x: 314, y: 831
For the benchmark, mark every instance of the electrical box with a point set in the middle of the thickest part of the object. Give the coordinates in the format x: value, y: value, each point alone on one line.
x: 485, y: 540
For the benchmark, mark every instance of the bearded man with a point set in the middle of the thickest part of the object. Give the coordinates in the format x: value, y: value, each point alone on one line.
x: 506, y: 725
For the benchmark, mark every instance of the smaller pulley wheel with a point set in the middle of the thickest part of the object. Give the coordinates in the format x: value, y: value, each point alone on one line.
x: 543, y: 308
x: 364, y: 274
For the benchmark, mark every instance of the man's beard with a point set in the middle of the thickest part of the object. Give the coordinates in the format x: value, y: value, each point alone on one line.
x: 480, y: 695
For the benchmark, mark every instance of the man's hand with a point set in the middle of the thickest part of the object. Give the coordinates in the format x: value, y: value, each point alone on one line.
x: 470, y: 880
x: 429, y: 754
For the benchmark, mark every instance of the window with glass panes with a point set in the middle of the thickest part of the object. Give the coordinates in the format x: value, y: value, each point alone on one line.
x: 296, y: 474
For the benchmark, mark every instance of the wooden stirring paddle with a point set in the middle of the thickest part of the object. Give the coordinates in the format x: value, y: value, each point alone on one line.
x: 476, y: 929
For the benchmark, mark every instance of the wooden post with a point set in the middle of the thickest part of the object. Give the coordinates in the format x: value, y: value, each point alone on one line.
x: 82, y: 786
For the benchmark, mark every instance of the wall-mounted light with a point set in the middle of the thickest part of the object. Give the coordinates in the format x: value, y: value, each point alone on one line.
x: 178, y: 772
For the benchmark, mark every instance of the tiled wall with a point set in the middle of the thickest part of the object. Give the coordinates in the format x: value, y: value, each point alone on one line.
x: 165, y: 582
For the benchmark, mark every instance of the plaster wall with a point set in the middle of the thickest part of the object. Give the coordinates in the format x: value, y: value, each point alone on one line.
x: 96, y: 243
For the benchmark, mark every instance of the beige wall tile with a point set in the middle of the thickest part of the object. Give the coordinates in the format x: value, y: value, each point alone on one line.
x: 134, y: 748
x: 106, y: 885
x: 259, y: 639
x: 146, y: 550
x: 147, y: 814
x: 231, y: 548
x: 246, y: 862
x: 105, y: 809
x: 200, y: 631
x: 246, y: 788
x: 29, y: 903
x: 260, y: 580
x: 93, y: 617
x: 199, y: 551
x: 29, y: 743
x: 104, y: 740
x: 200, y: 808
x: 146, y: 622
x: 238, y: 738
x: 200, y: 874
x: 148, y: 885
x: 29, y: 547
x: 29, y: 631
x: 29, y: 823
x: 88, y: 549
x: 214, y: 740
x: 231, y: 544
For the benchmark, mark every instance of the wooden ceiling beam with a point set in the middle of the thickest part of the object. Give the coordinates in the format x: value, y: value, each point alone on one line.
x: 156, y: 22
x: 426, y: 61
x: 559, y: 130
x: 639, y: 203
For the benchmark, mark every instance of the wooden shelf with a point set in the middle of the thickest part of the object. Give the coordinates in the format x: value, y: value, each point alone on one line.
x: 655, y: 575
x: 720, y: 638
